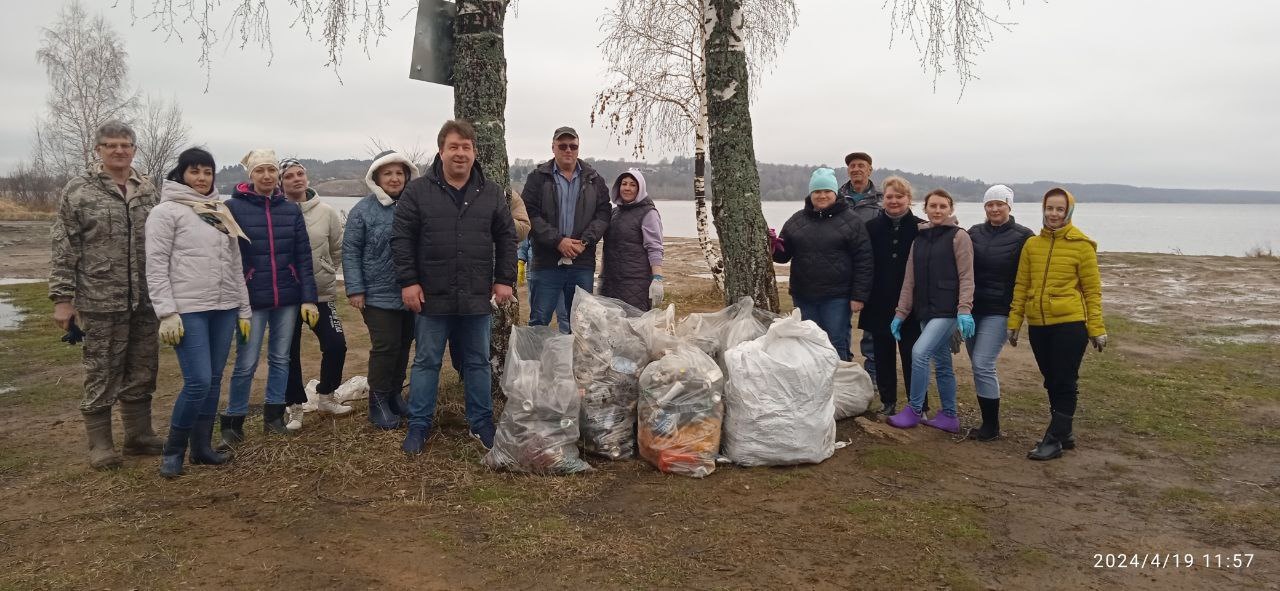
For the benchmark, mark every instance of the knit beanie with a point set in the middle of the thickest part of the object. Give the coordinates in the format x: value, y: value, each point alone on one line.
x: 999, y: 193
x: 823, y: 179
x: 188, y: 158
x: 259, y: 157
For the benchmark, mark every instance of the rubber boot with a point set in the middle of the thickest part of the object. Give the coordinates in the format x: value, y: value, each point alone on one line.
x: 232, y: 430
x: 1069, y: 442
x: 174, y: 450
x: 201, y: 449
x: 990, y: 429
x: 139, y: 439
x: 1051, y: 447
x: 273, y: 419
x: 395, y: 401
x: 102, y: 450
x: 381, y: 414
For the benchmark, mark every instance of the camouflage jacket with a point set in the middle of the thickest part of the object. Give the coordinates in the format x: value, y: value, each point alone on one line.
x: 99, y: 250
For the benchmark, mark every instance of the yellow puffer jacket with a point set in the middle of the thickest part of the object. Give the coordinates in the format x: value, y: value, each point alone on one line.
x: 1058, y: 280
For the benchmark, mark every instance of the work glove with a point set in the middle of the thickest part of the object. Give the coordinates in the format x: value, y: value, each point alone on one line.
x: 895, y: 328
x: 967, y: 326
x: 1099, y: 342
x: 242, y: 330
x: 520, y: 276
x: 74, y: 335
x: 310, y: 314
x: 1013, y: 337
x: 171, y: 330
x: 656, y: 291
x: 775, y: 243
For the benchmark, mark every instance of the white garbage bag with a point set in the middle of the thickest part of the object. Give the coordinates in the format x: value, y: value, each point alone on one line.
x: 608, y: 356
x: 717, y: 332
x: 356, y: 388
x: 538, y: 432
x: 851, y: 389
x: 778, y: 404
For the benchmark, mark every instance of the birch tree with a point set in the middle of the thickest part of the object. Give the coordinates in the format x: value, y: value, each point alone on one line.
x: 162, y: 135
x: 735, y: 181
x: 88, y: 72
x: 657, y: 95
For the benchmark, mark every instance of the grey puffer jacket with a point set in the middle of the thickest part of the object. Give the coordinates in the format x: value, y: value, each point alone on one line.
x: 191, y: 265
x: 324, y: 229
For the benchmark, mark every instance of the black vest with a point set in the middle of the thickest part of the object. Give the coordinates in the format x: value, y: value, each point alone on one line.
x: 625, y: 272
x: 937, y: 282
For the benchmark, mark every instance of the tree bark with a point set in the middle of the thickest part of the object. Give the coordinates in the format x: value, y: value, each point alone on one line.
x: 710, y: 251
x: 735, y: 180
x: 480, y: 97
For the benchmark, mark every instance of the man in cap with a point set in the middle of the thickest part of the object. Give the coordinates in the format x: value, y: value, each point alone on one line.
x: 865, y: 201
x: 98, y: 280
x: 569, y: 211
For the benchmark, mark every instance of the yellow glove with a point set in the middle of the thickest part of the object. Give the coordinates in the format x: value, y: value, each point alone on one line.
x: 520, y: 272
x: 242, y: 330
x: 171, y: 330
x: 310, y: 314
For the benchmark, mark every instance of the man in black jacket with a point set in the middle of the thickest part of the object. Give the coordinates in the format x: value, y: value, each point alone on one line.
x: 454, y: 245
x: 569, y: 212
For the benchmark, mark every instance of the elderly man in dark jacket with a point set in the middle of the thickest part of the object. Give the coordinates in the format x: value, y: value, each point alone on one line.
x: 866, y: 201
x: 831, y: 262
x: 454, y: 244
x: 569, y: 212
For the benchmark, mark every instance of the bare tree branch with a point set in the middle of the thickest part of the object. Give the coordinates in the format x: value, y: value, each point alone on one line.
x: 162, y: 135
x: 958, y: 29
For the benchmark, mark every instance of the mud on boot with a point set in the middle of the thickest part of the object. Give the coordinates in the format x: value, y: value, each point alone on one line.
x: 139, y: 438
x: 175, y: 448
x: 102, y: 450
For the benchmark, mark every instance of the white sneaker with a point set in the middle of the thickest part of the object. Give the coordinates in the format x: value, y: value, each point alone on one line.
x: 295, y: 412
x: 326, y: 403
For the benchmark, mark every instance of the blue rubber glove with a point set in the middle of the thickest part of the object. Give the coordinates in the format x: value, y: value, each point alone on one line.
x: 895, y: 328
x: 967, y: 327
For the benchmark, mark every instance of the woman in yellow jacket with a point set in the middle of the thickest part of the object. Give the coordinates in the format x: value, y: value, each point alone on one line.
x: 1059, y: 293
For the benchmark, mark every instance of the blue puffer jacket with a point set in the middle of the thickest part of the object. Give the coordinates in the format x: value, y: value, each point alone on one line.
x: 277, y: 257
x: 367, y: 265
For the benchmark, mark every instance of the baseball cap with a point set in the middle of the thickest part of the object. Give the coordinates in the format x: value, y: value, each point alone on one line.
x: 563, y: 131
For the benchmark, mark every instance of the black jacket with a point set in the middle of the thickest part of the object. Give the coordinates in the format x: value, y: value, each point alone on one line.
x: 890, y: 249
x: 590, y: 220
x: 996, y: 250
x: 829, y: 252
x: 455, y: 254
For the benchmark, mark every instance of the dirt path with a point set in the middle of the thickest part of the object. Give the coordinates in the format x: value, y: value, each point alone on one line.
x: 1180, y: 453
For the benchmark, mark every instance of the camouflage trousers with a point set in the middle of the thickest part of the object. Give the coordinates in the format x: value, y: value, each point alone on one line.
x: 121, y: 357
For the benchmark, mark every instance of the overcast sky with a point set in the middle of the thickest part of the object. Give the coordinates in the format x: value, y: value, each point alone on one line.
x: 1165, y: 94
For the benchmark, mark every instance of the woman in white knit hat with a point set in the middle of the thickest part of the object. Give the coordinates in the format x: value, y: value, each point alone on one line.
x: 997, y: 244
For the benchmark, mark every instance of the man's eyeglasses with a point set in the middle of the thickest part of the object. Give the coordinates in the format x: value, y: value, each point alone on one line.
x: 568, y: 147
x: 116, y: 146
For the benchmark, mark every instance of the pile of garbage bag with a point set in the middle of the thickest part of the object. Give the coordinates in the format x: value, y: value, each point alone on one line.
x: 608, y: 356
x: 779, y: 408
x: 538, y: 432
x: 717, y: 332
x: 681, y: 411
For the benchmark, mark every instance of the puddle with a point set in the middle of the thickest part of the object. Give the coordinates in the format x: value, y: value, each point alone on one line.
x: 10, y: 315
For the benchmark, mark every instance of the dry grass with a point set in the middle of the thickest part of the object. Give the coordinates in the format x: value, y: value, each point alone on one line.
x: 14, y: 212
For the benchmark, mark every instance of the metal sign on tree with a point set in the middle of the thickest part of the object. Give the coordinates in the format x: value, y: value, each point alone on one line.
x: 432, y: 58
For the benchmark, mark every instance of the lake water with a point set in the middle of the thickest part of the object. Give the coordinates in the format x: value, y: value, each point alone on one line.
x: 1193, y: 229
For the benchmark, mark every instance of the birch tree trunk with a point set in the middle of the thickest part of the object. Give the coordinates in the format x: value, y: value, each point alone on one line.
x: 480, y: 97
x: 735, y: 181
x: 710, y: 251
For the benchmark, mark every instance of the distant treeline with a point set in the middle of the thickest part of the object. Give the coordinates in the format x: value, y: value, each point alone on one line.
x: 673, y: 179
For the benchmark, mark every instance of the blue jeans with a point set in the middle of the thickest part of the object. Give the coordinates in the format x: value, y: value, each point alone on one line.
x: 833, y: 316
x: 202, y: 355
x: 470, y: 336
x: 562, y: 311
x: 984, y: 347
x: 280, y: 322
x: 552, y: 289
x: 934, y: 345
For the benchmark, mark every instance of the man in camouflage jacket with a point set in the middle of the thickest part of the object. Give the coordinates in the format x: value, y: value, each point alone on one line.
x: 99, y: 281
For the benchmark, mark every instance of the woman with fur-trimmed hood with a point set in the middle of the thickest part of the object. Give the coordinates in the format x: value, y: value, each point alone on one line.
x: 370, y: 277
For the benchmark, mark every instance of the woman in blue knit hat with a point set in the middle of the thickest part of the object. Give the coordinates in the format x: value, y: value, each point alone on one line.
x: 831, y: 262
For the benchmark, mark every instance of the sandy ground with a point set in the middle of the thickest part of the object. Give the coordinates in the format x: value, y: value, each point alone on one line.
x: 338, y: 507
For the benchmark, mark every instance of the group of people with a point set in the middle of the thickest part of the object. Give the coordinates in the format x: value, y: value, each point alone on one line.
x: 918, y: 285
x: 426, y: 257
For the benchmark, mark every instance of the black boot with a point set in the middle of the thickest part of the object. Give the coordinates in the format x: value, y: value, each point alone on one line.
x: 273, y: 419
x: 382, y: 413
x: 990, y: 429
x: 175, y: 447
x: 232, y: 430
x: 1051, y: 447
x: 201, y: 449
